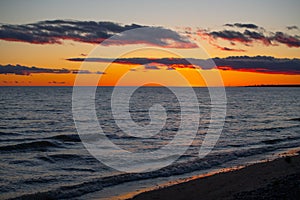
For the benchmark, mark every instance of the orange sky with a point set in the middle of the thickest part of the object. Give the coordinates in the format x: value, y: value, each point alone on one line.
x: 230, y: 78
x: 46, y: 33
x: 55, y: 55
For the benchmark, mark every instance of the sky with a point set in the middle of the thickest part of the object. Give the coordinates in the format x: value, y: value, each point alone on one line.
x: 51, y: 43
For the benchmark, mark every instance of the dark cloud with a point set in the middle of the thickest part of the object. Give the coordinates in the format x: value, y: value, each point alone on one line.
x: 204, y: 34
x: 260, y: 64
x: 49, y: 32
x: 57, y: 82
x: 292, y: 27
x: 253, y: 35
x: 247, y: 37
x: 290, y: 41
x: 227, y: 48
x: 231, y: 49
x: 25, y: 70
x: 155, y: 36
x: 169, y: 62
x: 230, y: 35
x: 151, y: 67
x: 54, y: 32
x: 241, y: 25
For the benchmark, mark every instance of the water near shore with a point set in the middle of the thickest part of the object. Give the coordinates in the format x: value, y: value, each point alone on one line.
x: 43, y: 156
x: 277, y: 179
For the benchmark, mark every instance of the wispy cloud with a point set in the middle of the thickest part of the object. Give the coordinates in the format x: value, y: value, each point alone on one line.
x: 228, y: 49
x: 292, y: 27
x: 25, y: 70
x: 242, y: 25
x: 283, y: 38
x: 56, y: 31
x: 260, y: 64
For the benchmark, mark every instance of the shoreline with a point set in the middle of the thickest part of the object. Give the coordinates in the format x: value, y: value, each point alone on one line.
x: 279, y: 178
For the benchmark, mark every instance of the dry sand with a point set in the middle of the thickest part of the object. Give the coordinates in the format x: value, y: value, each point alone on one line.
x: 278, y: 179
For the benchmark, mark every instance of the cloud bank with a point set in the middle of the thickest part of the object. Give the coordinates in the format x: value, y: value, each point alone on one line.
x: 259, y: 64
x: 25, y: 70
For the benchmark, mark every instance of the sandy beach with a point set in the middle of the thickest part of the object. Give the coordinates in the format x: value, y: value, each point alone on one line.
x: 278, y: 179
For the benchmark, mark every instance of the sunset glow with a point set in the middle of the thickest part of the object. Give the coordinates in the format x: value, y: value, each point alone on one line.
x: 56, y: 43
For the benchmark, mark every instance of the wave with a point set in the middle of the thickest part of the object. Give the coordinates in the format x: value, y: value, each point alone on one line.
x: 272, y: 141
x: 276, y: 129
x: 66, y: 138
x: 177, y: 168
x: 278, y: 140
x: 78, y: 169
x: 10, y: 127
x: 260, y: 142
x: 61, y: 138
x: 61, y: 157
x: 36, y: 146
x: 295, y: 119
x: 8, y: 134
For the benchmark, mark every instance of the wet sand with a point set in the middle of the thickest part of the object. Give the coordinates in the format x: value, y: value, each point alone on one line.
x: 278, y: 179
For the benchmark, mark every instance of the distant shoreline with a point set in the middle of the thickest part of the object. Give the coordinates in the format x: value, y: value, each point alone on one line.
x: 271, y: 86
x: 297, y: 85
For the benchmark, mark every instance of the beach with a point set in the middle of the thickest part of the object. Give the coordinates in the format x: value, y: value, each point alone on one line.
x: 277, y: 179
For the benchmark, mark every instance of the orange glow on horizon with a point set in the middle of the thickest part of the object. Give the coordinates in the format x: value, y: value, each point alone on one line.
x: 54, y: 57
x: 230, y: 78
